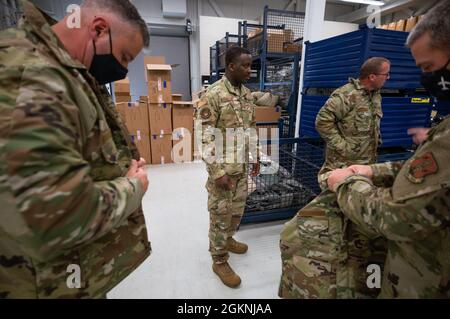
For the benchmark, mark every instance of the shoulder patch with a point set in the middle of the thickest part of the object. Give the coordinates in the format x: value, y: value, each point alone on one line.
x: 421, y: 167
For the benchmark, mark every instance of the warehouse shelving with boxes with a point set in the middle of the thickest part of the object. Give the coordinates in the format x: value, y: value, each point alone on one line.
x: 276, y: 46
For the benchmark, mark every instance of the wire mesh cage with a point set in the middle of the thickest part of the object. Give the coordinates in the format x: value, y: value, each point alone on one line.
x: 10, y: 13
x: 229, y: 41
x: 213, y: 58
x: 286, y: 31
x: 252, y: 37
x: 281, y: 32
x: 281, y: 78
x: 288, y: 180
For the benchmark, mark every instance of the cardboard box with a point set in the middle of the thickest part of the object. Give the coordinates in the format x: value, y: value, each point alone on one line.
x: 400, y: 26
x: 135, y: 116
x: 267, y: 113
x: 392, y: 25
x: 410, y: 23
x: 159, y: 83
x: 123, y: 98
x: 275, y: 39
x: 292, y: 47
x: 122, y: 87
x: 254, y: 32
x: 161, y: 148
x: 160, y: 118
x: 177, y: 97
x: 183, y: 148
x: 149, y: 59
x: 183, y: 115
x: 142, y: 142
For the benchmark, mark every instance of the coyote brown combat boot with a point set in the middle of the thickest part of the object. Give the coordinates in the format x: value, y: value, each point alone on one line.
x: 227, y: 275
x: 236, y: 247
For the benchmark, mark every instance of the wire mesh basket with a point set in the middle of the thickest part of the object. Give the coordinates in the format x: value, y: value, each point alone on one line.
x: 288, y: 178
x: 281, y: 32
x: 229, y: 41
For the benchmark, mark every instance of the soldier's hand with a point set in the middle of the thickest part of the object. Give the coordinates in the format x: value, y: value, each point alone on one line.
x: 418, y: 134
x: 337, y: 176
x: 255, y: 170
x: 138, y: 172
x: 224, y: 182
x: 365, y: 170
x: 142, y: 162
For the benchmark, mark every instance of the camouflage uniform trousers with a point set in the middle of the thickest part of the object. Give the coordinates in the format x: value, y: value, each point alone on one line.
x: 226, y: 208
x: 324, y: 256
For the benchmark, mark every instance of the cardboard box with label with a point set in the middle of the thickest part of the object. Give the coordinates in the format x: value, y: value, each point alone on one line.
x: 159, y: 83
x: 267, y: 114
x: 161, y: 146
x: 142, y: 142
x: 160, y: 118
x: 135, y: 116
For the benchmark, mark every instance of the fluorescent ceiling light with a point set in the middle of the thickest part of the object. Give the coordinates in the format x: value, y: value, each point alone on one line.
x: 375, y: 3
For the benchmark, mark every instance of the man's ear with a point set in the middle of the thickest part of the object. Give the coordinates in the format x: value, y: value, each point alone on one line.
x: 98, y: 27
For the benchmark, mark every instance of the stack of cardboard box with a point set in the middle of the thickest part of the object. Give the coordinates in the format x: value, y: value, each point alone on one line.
x: 158, y: 118
x: 122, y: 91
x: 278, y: 40
x: 135, y: 116
x: 402, y: 25
x: 159, y: 101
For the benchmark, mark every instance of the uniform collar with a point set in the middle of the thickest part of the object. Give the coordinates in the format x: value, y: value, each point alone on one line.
x: 232, y: 89
x: 39, y: 23
x: 357, y: 84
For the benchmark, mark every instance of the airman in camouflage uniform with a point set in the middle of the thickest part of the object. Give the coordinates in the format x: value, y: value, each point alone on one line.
x: 412, y: 209
x: 349, y: 122
x: 64, y: 154
x: 323, y: 254
x: 226, y: 107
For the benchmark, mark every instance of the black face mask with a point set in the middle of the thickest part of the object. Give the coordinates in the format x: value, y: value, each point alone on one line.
x: 105, y: 68
x: 437, y: 82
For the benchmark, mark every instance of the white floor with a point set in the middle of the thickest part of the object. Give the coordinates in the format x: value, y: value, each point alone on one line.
x: 180, y: 266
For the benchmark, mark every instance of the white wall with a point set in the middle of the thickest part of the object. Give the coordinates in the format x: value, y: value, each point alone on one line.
x: 211, y: 30
x: 333, y: 28
x: 253, y: 9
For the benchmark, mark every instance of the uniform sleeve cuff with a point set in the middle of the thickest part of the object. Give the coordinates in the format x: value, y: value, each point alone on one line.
x: 351, y: 179
x: 138, y: 190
